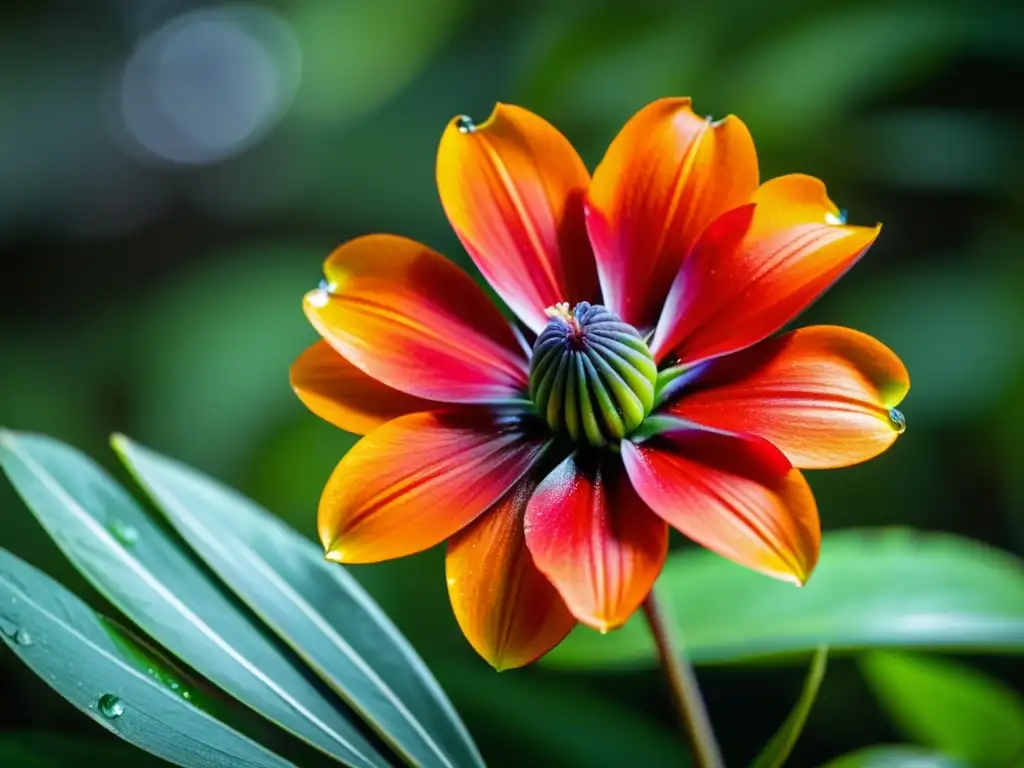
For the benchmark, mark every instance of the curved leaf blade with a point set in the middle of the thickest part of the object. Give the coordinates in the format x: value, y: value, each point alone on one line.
x: 313, y: 605
x: 956, y: 709
x: 894, y: 756
x: 888, y: 588
x: 70, y: 648
x: 122, y: 553
x: 777, y: 751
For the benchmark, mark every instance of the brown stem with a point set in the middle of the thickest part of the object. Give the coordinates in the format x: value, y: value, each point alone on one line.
x: 683, y: 682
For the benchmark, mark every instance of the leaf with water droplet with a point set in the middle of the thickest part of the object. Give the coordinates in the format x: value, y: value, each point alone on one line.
x: 128, y: 535
x: 168, y: 596
x: 316, y: 607
x: 23, y: 637
x: 110, y: 706
x: 79, y: 661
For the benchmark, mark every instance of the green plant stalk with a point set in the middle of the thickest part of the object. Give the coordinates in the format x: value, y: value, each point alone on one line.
x: 685, y: 691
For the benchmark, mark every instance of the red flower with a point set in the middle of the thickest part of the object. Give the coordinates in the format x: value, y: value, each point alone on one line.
x: 650, y: 392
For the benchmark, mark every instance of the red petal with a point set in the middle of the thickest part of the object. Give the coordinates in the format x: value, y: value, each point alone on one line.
x: 665, y: 177
x: 507, y: 609
x: 413, y: 482
x: 737, y: 496
x: 595, y: 540
x: 338, y: 392
x: 756, y: 268
x: 411, y: 319
x: 822, y: 395
x: 513, y: 190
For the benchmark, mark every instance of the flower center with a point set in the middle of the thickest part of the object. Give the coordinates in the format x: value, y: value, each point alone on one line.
x: 591, y: 375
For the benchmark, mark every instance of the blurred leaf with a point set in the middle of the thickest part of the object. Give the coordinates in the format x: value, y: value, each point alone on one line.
x: 71, y: 649
x: 46, y: 749
x: 895, y: 756
x: 958, y: 328
x: 289, y: 471
x: 347, y: 69
x: 313, y: 605
x: 536, y: 720
x: 951, y: 707
x: 936, y: 149
x: 215, y: 349
x: 872, y: 589
x: 800, y: 80
x: 136, y: 566
x: 777, y: 751
x: 601, y: 65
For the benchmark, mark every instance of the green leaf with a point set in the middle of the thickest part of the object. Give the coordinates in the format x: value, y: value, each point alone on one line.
x: 316, y: 607
x: 46, y: 749
x: 119, y: 550
x: 537, y: 719
x: 857, y: 53
x: 894, y: 756
x: 776, y: 752
x: 951, y: 707
x: 78, y: 654
x: 872, y: 589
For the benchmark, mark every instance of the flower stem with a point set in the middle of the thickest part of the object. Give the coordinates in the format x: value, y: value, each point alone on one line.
x: 685, y: 691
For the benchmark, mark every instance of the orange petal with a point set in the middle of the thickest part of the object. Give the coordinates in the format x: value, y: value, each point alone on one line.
x: 513, y: 190
x: 735, y: 495
x: 338, y: 392
x: 411, y: 319
x: 666, y: 176
x: 596, y: 541
x: 507, y: 609
x: 756, y: 268
x: 416, y: 480
x: 822, y: 395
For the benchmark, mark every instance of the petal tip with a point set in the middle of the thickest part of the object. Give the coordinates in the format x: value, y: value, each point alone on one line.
x: 334, y: 556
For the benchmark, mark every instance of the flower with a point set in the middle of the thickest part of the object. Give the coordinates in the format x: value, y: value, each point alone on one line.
x: 644, y: 388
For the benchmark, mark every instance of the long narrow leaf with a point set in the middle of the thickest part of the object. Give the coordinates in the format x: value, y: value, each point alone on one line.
x: 71, y: 648
x: 316, y: 607
x: 949, y: 706
x: 108, y: 537
x: 887, y: 588
x: 777, y: 751
x: 895, y: 756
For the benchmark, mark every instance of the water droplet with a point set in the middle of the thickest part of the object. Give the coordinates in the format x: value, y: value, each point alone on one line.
x: 318, y: 298
x: 898, y: 421
x: 328, y: 286
x: 465, y: 124
x: 111, y: 706
x: 836, y: 219
x: 126, y: 534
x: 23, y: 637
x: 186, y: 695
x: 174, y: 686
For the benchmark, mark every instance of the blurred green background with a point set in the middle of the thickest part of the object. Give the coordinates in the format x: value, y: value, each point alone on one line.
x: 172, y: 173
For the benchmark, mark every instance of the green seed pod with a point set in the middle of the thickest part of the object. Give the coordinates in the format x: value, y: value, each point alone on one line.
x: 591, y: 375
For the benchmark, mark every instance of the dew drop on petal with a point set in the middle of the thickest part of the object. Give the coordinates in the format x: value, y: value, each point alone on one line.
x: 111, y: 706
x: 465, y: 124
x: 898, y: 421
x: 318, y: 298
x: 836, y: 219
